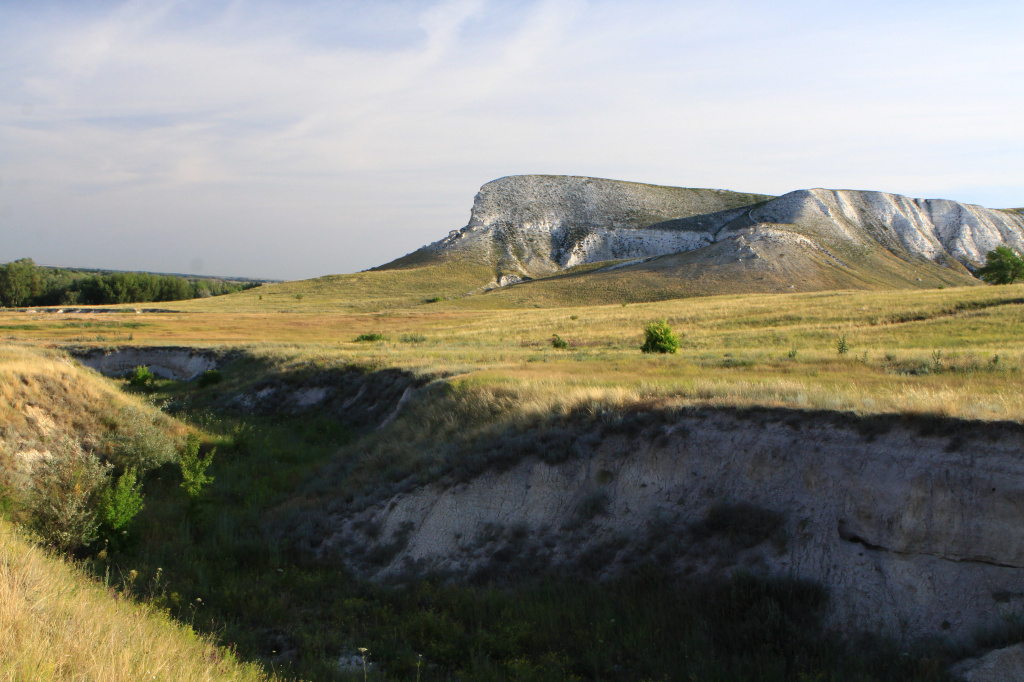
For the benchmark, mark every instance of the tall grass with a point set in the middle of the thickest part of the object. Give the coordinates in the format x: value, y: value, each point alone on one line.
x: 57, y: 624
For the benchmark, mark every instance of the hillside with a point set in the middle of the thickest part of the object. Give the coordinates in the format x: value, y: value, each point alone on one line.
x: 666, y: 242
x: 554, y: 241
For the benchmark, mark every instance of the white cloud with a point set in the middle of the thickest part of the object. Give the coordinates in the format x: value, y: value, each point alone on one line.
x: 333, y: 124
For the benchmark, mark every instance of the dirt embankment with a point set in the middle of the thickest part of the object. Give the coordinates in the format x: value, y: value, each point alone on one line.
x: 912, y: 524
x: 169, y: 362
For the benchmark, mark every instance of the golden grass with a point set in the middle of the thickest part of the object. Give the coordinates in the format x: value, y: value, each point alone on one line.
x: 57, y: 624
x: 44, y: 395
x: 736, y: 349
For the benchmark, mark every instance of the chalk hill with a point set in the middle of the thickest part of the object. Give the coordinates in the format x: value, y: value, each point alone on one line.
x: 658, y: 242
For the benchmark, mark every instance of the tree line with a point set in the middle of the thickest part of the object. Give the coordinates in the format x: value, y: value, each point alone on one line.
x: 23, y: 283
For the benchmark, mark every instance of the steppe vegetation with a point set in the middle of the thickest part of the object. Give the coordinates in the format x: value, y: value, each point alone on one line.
x: 237, y: 559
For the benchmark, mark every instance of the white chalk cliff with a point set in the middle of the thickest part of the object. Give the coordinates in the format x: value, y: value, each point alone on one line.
x: 535, y: 225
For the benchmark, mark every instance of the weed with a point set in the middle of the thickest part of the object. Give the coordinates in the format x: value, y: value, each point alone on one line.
x: 370, y: 336
x: 842, y: 347
x: 558, y: 342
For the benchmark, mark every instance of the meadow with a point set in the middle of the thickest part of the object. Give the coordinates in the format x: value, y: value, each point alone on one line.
x: 953, y: 352
x: 230, y: 563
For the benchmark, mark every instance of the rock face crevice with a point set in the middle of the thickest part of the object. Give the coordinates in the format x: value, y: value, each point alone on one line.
x: 913, y: 531
x: 536, y: 225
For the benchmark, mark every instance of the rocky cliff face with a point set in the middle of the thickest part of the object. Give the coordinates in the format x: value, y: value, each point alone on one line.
x: 912, y: 525
x: 531, y: 226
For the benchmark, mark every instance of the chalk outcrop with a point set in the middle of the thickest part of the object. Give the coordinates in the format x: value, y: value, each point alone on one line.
x: 536, y: 225
x: 169, y: 362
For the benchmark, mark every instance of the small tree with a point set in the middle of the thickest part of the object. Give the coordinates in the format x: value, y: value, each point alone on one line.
x: 121, y: 502
x: 1002, y: 266
x: 193, y: 467
x: 659, y: 338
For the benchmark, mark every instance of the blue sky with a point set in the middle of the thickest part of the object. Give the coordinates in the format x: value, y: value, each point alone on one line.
x: 297, y: 139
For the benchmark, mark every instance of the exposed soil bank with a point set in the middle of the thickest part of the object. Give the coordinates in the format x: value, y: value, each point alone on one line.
x: 912, y: 524
x: 171, y: 362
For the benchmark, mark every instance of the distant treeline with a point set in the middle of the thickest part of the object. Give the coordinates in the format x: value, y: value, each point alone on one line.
x: 23, y: 283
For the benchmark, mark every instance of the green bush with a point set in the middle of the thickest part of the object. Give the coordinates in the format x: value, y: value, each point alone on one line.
x: 193, y: 467
x: 209, y: 378
x: 659, y: 338
x: 141, y: 377
x: 370, y: 336
x: 558, y: 342
x: 1002, y: 266
x: 842, y: 347
x: 121, y: 502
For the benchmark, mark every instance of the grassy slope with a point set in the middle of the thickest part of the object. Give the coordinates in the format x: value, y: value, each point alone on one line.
x: 44, y: 397
x: 57, y: 624
x: 359, y: 292
x: 714, y: 270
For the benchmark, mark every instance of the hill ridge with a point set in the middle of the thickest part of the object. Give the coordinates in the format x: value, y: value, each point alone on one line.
x: 527, y: 227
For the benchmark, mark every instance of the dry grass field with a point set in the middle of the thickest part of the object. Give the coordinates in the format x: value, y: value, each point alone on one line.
x: 955, y: 352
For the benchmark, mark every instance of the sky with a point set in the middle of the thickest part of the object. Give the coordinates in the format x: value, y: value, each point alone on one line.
x: 286, y: 140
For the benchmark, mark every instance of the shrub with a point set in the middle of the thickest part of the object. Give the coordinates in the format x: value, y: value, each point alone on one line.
x: 558, y: 342
x: 370, y: 336
x: 1002, y: 266
x: 121, y: 502
x: 842, y: 346
x: 136, y: 441
x: 659, y: 338
x: 63, y: 496
x: 141, y: 377
x: 193, y: 467
x: 435, y: 299
x: 209, y: 378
